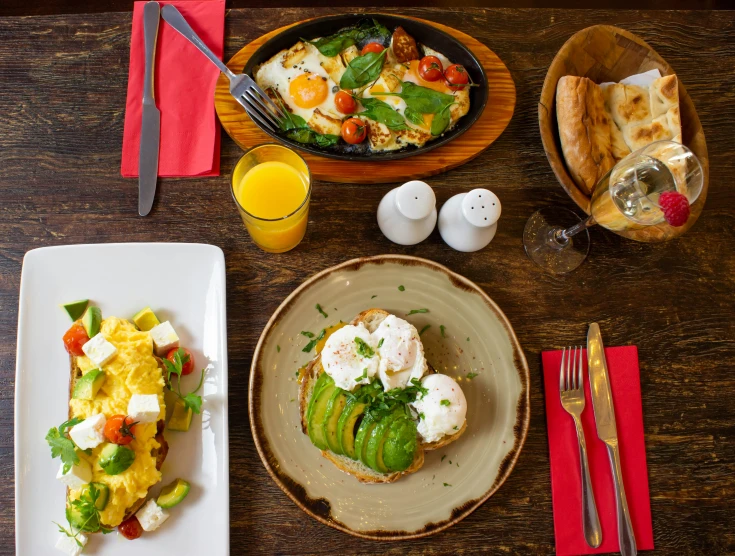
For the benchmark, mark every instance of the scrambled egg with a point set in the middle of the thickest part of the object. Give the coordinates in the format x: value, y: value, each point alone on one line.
x: 134, y: 370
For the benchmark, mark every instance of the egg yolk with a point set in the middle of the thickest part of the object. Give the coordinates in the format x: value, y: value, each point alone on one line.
x: 308, y: 90
x: 413, y: 75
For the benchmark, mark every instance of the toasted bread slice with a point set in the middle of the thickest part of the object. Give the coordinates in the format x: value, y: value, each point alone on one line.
x: 308, y: 376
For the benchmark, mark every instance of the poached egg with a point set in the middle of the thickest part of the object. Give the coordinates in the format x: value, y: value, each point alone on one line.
x: 349, y: 357
x: 442, y: 410
x: 401, y: 353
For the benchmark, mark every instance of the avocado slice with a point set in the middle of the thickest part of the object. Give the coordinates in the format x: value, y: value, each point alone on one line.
x: 363, y: 435
x: 400, y: 444
x: 92, y: 320
x: 346, y: 426
x: 145, y: 319
x: 335, y: 408
x: 374, y: 452
x: 180, y: 418
x: 87, y: 386
x: 173, y: 494
x: 323, y: 379
x: 319, y: 411
x: 103, y: 494
x: 115, y: 459
x: 75, y: 309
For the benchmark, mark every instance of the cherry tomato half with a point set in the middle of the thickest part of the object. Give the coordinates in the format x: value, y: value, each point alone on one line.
x: 354, y: 131
x: 75, y: 338
x: 130, y: 528
x: 372, y: 47
x: 120, y: 429
x: 430, y: 68
x: 188, y: 365
x: 456, y: 76
x: 345, y: 103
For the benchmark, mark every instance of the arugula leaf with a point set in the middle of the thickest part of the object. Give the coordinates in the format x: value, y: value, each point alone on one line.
x: 332, y: 45
x: 364, y: 349
x: 362, y: 70
x: 416, y: 311
x: 413, y: 116
x: 441, y: 121
x: 381, y: 112
x: 62, y: 447
x: 421, y: 99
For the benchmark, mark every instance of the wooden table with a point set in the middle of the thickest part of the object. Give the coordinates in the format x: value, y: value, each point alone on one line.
x: 61, y: 115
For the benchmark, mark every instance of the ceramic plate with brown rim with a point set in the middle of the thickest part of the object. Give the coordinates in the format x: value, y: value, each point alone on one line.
x: 478, y: 349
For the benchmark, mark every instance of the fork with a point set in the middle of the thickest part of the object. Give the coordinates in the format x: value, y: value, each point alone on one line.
x: 571, y: 390
x: 253, y: 99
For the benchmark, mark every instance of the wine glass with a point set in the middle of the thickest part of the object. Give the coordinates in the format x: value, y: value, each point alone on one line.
x: 626, y: 198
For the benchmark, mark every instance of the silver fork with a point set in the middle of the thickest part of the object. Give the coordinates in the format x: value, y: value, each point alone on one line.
x: 571, y: 390
x: 253, y: 99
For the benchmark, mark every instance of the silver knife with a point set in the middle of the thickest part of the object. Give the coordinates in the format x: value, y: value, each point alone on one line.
x: 150, y: 130
x: 607, y: 431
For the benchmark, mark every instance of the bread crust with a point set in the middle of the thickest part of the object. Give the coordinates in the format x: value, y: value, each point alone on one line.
x: 308, y: 375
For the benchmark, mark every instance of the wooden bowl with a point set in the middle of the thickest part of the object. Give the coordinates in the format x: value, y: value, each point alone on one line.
x: 606, y: 53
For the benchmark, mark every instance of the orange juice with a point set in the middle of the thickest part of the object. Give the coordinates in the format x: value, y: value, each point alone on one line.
x: 271, y: 187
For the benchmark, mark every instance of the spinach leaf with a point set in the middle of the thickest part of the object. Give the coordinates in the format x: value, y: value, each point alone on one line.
x: 296, y: 129
x: 422, y: 99
x: 381, y: 112
x: 362, y: 70
x: 413, y: 116
x: 440, y: 121
x: 332, y: 45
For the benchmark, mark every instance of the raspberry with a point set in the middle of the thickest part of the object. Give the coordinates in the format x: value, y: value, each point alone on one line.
x: 675, y: 207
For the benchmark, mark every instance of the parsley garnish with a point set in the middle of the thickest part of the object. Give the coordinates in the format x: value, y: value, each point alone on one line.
x: 470, y: 376
x: 424, y: 329
x: 308, y: 347
x: 468, y: 338
x: 456, y: 427
x: 321, y: 311
x: 450, y: 462
x: 380, y: 403
x: 442, y: 329
x: 445, y: 455
x: 416, y: 311
x: 380, y: 343
x: 444, y: 402
x: 62, y: 446
x: 373, y: 297
x: 447, y: 485
x: 321, y: 334
x: 87, y: 511
x: 278, y: 349
x: 191, y: 400
x: 364, y: 375
x: 401, y: 289
x: 364, y: 349
x: 421, y: 416
x: 312, y: 344
x: 307, y: 334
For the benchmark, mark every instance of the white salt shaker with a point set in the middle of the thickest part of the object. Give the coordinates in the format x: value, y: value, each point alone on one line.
x: 468, y: 221
x: 407, y: 214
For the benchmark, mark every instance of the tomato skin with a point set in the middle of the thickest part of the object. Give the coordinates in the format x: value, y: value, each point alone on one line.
x: 345, y: 103
x: 188, y: 367
x: 354, y: 131
x: 430, y: 68
x: 75, y: 338
x: 456, y: 76
x: 130, y: 528
x: 113, y: 431
x: 372, y: 47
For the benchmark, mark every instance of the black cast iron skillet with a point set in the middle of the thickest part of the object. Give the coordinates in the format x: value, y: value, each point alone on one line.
x: 424, y: 34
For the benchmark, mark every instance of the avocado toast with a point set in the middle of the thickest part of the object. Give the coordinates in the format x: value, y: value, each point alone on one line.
x: 370, y: 431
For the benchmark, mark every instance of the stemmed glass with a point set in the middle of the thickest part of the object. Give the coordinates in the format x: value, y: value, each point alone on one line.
x: 626, y: 198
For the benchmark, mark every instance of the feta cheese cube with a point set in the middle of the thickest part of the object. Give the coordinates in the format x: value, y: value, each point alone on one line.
x: 99, y: 350
x: 164, y: 338
x: 78, y: 476
x: 90, y: 433
x: 144, y: 408
x: 69, y: 546
x: 151, y: 516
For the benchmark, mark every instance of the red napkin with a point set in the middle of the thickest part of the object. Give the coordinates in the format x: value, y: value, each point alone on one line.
x: 184, y: 90
x: 566, y: 485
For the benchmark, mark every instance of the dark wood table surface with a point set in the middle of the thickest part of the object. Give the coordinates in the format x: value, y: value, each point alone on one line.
x: 62, y: 96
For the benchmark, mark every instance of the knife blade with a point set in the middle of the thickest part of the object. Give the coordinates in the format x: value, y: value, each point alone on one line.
x: 150, y: 129
x: 602, y: 403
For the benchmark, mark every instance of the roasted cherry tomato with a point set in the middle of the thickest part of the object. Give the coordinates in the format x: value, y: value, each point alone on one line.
x: 75, y: 338
x: 430, y: 68
x: 345, y: 103
x: 354, y: 130
x: 120, y: 429
x: 372, y: 47
x: 187, y: 359
x: 456, y: 76
x: 130, y: 528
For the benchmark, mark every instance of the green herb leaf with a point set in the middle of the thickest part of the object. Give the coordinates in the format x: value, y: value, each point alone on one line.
x: 278, y: 349
x: 470, y: 376
x: 414, y: 116
x: 308, y: 347
x: 443, y: 457
x: 424, y: 329
x: 373, y: 297
x: 364, y: 375
x: 321, y: 311
x: 447, y: 485
x: 62, y: 447
x: 193, y: 401
x: 296, y: 129
x: 419, y: 388
x: 468, y: 338
x: 307, y: 334
x: 69, y: 424
x: 381, y: 112
x: 421, y: 99
x: 445, y: 403
x: 321, y: 334
x: 332, y: 45
x: 362, y: 70
x: 441, y: 121
x: 401, y: 288
x: 380, y: 343
x: 363, y: 349
x: 421, y: 416
x: 443, y: 329
x: 417, y: 311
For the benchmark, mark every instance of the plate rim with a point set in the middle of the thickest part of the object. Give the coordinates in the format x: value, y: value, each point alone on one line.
x: 319, y: 509
x: 224, y: 363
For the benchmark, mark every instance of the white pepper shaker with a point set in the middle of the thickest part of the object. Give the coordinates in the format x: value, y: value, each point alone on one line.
x: 468, y: 221
x: 407, y: 214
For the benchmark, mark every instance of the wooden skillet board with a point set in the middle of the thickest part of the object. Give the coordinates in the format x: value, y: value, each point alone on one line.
x: 491, y: 123
x: 606, y: 53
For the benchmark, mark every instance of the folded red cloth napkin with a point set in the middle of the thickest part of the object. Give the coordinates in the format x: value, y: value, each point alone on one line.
x: 184, y: 91
x: 566, y: 482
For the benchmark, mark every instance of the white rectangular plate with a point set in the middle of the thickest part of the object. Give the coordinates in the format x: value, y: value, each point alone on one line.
x: 181, y: 282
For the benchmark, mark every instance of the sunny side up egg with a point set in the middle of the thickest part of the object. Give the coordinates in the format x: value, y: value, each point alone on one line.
x: 303, y: 86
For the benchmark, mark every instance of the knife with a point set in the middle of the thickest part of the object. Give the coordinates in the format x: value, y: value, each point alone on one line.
x: 150, y: 130
x: 607, y: 431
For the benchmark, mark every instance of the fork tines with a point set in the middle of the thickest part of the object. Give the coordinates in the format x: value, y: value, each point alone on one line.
x: 570, y: 375
x: 260, y: 107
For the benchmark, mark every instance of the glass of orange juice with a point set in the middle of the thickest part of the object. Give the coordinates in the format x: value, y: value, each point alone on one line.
x: 271, y: 186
